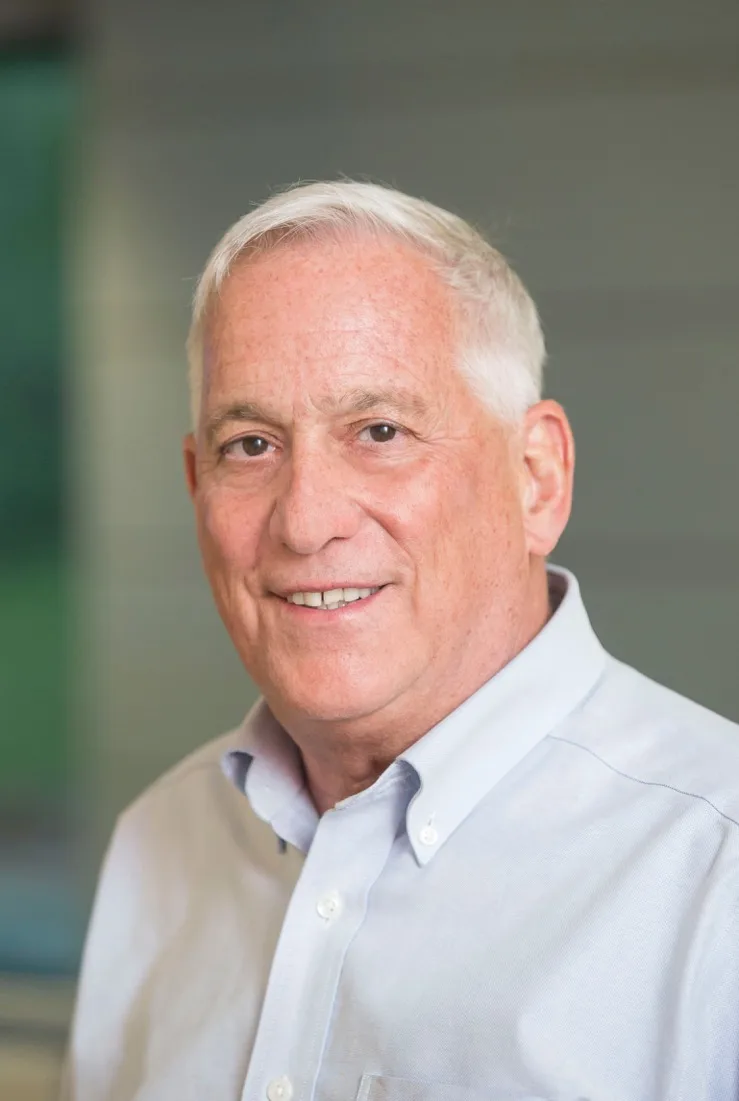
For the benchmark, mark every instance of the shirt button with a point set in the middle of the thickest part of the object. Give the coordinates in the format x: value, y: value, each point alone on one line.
x: 428, y: 835
x: 329, y: 905
x: 280, y: 1089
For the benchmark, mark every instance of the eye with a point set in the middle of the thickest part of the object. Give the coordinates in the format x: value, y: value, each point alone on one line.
x: 251, y: 446
x: 380, y: 433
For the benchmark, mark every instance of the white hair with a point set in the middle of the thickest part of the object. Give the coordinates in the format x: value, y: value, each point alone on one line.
x: 502, y: 349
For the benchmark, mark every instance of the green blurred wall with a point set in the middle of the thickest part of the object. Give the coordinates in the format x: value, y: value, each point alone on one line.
x: 36, y: 99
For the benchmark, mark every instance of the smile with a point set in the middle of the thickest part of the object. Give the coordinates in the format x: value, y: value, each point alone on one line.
x: 332, y: 599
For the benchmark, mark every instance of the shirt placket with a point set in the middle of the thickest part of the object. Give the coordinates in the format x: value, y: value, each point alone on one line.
x: 328, y: 906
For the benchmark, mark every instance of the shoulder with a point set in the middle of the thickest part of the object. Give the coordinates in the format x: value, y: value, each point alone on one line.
x: 193, y: 769
x: 652, y: 735
x: 189, y: 827
x: 191, y: 797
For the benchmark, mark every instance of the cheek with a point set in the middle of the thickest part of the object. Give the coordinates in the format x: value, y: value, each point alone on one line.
x: 468, y: 525
x: 453, y: 495
x: 229, y: 529
x: 432, y: 516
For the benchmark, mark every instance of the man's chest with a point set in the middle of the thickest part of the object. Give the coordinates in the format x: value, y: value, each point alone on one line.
x: 482, y: 974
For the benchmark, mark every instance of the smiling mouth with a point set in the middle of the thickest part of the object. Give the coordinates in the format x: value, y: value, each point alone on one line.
x: 332, y: 599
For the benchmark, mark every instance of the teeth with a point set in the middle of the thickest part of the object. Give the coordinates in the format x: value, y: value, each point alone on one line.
x: 331, y: 599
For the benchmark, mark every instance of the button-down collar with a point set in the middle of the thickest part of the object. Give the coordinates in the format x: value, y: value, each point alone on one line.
x: 266, y: 766
x: 460, y: 759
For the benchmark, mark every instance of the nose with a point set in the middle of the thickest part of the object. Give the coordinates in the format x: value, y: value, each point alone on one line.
x: 314, y: 504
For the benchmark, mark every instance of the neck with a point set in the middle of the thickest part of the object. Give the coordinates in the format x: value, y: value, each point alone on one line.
x: 344, y: 757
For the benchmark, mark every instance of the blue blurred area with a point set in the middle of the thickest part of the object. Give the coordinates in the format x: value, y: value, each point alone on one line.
x: 41, y: 918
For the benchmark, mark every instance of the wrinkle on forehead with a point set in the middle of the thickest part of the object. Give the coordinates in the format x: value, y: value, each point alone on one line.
x: 338, y: 315
x: 371, y: 276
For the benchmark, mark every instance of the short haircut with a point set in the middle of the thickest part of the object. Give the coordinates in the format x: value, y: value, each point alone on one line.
x: 502, y: 351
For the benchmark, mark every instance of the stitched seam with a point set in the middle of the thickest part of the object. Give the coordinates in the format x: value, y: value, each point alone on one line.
x: 646, y: 783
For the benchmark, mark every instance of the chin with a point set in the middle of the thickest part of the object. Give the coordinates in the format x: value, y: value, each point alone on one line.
x: 326, y: 707
x: 333, y: 686
x: 323, y: 693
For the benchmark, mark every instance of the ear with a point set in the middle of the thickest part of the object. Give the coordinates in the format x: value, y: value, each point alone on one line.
x: 548, y: 471
x: 189, y: 455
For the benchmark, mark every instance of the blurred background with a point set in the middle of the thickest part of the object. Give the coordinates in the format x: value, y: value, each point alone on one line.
x: 597, y: 142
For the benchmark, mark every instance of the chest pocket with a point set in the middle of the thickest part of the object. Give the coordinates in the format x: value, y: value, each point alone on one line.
x: 378, y: 1088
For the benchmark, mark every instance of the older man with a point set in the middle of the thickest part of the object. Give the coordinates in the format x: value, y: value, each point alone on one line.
x: 456, y: 851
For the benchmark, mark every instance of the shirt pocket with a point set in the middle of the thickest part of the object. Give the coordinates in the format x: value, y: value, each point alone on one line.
x: 375, y: 1087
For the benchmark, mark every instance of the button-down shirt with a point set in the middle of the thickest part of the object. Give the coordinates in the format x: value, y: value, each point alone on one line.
x: 539, y: 899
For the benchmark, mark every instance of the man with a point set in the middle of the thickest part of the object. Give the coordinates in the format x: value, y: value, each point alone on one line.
x: 456, y: 851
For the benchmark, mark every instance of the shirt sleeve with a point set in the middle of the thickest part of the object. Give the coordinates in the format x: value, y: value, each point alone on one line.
x: 103, y: 1044
x: 705, y: 1002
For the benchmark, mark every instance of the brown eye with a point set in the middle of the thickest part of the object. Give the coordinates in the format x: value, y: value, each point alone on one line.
x: 254, y: 446
x: 382, y: 433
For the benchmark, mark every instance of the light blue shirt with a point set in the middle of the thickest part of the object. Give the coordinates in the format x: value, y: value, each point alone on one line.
x: 538, y: 900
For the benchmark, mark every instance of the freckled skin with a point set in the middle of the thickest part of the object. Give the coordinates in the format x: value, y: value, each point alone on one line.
x: 454, y: 514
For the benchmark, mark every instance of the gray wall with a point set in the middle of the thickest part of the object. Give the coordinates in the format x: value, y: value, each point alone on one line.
x: 597, y: 141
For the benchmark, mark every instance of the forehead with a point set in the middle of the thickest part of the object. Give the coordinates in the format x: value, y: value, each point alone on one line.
x: 312, y: 311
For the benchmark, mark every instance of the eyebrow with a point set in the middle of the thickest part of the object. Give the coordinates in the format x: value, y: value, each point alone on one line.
x: 359, y: 400
x: 238, y: 411
x: 398, y: 398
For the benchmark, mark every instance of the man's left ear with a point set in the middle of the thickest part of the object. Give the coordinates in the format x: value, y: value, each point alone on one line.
x: 189, y: 459
x: 548, y: 471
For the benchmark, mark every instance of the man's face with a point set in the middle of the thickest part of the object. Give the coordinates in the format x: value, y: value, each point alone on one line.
x: 339, y: 448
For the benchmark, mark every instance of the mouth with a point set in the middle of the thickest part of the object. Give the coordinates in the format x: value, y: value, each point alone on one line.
x: 330, y: 600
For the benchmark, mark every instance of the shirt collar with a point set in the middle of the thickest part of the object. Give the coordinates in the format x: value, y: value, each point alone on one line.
x: 460, y: 759
x: 265, y: 764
